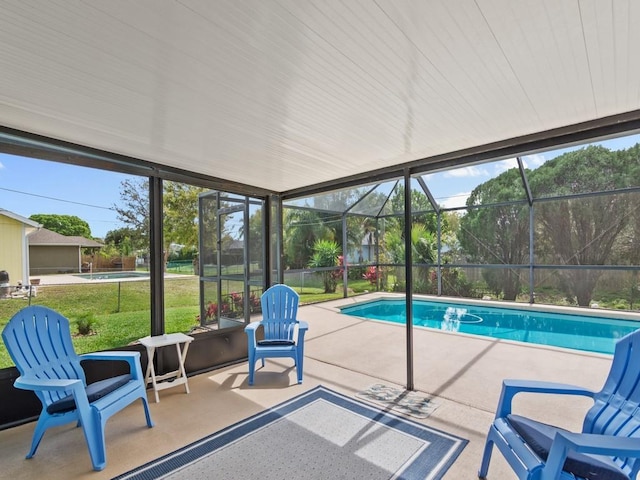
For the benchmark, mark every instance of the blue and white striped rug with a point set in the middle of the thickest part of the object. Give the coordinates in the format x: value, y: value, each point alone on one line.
x: 320, y: 434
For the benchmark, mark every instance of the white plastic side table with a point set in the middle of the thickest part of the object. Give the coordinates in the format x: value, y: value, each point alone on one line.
x: 177, y: 377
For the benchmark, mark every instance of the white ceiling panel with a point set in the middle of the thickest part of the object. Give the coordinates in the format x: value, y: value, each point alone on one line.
x: 285, y: 94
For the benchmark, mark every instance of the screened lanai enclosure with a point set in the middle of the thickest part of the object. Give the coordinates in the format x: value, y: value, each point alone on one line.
x: 477, y: 150
x: 559, y: 227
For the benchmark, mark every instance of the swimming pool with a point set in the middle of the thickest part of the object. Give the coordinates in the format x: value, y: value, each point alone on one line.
x: 579, y: 332
x: 112, y: 275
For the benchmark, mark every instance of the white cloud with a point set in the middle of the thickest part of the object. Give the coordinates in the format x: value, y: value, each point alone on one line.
x: 454, y: 201
x: 533, y: 161
x: 504, y: 165
x: 1, y: 166
x: 471, y: 171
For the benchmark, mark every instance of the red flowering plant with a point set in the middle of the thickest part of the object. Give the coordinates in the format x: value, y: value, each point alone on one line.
x: 337, y: 274
x: 371, y: 274
x: 254, y: 303
x: 236, y: 300
x: 211, y: 313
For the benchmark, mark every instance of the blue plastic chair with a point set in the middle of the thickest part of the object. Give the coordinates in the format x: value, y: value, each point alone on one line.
x: 39, y: 342
x: 283, y: 332
x: 609, y: 445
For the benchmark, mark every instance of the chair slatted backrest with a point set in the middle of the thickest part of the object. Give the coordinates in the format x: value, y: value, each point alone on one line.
x: 39, y: 342
x: 616, y: 409
x: 279, y: 312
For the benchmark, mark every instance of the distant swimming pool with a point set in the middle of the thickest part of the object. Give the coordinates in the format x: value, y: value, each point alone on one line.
x: 593, y: 334
x: 112, y: 275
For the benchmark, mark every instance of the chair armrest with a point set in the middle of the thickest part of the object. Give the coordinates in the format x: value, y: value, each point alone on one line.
x: 250, y: 330
x: 602, y: 444
x: 132, y: 358
x: 512, y: 387
x: 28, y: 383
x: 302, y: 329
x: 608, y: 445
x: 252, y: 327
x: 118, y: 355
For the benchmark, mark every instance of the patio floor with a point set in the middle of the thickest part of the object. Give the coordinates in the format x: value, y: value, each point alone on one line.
x: 348, y: 355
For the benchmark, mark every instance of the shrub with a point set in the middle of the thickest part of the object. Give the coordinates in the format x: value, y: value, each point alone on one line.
x: 84, y: 323
x: 372, y: 274
x: 326, y: 253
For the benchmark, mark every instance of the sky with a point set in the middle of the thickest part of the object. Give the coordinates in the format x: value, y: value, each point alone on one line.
x: 451, y: 188
x: 29, y: 186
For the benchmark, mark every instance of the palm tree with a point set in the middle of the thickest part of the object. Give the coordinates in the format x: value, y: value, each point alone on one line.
x: 302, y: 228
x: 326, y: 253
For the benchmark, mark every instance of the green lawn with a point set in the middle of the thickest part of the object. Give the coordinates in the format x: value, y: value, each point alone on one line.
x: 121, y: 312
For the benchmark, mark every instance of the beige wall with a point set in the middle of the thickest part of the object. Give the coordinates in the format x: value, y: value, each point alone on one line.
x: 45, y: 259
x: 12, y: 254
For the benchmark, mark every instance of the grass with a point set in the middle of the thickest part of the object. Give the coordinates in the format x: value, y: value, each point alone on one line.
x: 120, y: 311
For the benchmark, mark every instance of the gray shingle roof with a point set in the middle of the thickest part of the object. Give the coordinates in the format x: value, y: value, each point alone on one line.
x: 44, y: 237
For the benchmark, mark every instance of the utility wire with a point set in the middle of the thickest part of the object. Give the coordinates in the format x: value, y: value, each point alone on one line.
x: 56, y: 199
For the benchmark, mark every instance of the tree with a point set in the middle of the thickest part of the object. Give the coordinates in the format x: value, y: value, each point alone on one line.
x: 583, y: 231
x: 180, y: 208
x: 626, y: 251
x: 134, y: 212
x: 180, y: 204
x: 255, y: 237
x: 424, y: 250
x: 424, y: 227
x: 302, y: 228
x: 449, y: 236
x: 333, y: 206
x: 69, y: 225
x: 497, y: 234
x: 421, y: 208
x: 121, y: 239
x: 423, y: 245
x: 631, y: 249
x: 338, y: 201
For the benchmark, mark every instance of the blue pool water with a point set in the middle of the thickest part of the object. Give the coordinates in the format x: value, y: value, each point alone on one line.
x: 593, y: 334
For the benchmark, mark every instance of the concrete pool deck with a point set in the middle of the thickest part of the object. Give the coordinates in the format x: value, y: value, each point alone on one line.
x: 71, y: 278
x: 463, y: 374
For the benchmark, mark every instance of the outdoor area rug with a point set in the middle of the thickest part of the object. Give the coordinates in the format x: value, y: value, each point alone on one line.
x: 319, y: 434
x: 399, y: 399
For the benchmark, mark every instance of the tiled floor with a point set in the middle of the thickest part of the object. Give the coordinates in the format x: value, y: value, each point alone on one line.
x: 346, y: 354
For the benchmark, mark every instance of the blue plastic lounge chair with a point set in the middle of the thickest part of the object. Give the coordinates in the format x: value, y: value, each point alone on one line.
x: 39, y: 342
x: 608, y: 447
x: 283, y: 332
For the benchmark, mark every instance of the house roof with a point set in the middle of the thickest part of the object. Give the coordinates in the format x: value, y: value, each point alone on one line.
x: 287, y: 95
x: 44, y: 237
x: 19, y: 218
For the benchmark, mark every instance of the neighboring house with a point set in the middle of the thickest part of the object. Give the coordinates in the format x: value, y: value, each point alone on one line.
x: 365, y: 252
x: 50, y: 252
x: 14, y: 251
x: 368, y: 248
x: 233, y: 253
